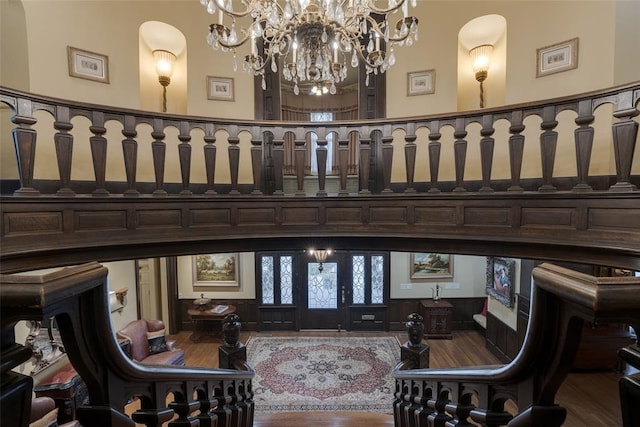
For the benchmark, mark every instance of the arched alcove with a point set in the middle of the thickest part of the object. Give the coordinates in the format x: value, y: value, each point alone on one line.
x: 487, y: 30
x: 155, y: 35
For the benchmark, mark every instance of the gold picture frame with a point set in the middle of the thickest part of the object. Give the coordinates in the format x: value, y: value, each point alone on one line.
x: 215, y: 269
x: 88, y: 65
x: 430, y: 266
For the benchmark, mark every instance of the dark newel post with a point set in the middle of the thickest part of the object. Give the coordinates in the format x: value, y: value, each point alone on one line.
x: 64, y: 150
x: 460, y: 153
x: 210, y: 158
x: 158, y: 150
x: 98, y: 145
x: 232, y: 350
x: 516, y: 150
x: 387, y: 158
x: 548, y: 144
x: 321, y: 159
x: 434, y: 154
x: 184, y: 153
x: 24, y: 141
x: 130, y: 152
x: 414, y: 349
x: 410, y: 156
x: 584, y: 144
x: 486, y: 151
x: 256, y: 160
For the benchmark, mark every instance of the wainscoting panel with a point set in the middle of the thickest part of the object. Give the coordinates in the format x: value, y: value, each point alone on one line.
x: 463, y: 311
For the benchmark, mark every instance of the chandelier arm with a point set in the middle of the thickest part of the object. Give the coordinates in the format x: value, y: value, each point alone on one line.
x: 382, y: 11
x: 248, y: 11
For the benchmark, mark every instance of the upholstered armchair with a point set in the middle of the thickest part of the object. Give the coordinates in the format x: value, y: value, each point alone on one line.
x: 147, y: 343
x: 45, y: 414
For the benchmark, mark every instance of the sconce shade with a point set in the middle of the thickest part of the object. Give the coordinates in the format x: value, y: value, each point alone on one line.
x: 164, y: 65
x: 320, y: 255
x: 481, y: 56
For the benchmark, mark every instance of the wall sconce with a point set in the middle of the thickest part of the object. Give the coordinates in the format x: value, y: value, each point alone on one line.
x: 164, y: 67
x: 321, y: 256
x: 481, y: 56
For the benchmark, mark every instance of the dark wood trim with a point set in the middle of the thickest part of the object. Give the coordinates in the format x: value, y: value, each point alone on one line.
x: 463, y: 311
x: 172, y: 294
x: 502, y: 341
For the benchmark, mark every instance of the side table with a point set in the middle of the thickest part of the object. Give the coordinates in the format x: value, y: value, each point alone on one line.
x: 438, y: 317
x: 211, y: 314
x: 67, y: 389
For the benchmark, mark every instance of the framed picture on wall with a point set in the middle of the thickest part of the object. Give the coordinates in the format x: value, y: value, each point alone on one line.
x: 421, y: 82
x: 501, y: 279
x: 429, y: 266
x: 557, y: 58
x: 215, y: 270
x: 220, y: 88
x: 88, y: 65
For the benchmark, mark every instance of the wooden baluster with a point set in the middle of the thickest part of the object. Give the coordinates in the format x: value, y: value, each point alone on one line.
x: 516, y: 150
x: 256, y: 160
x: 210, y: 158
x: 278, y: 161
x: 460, y: 411
x: 300, y: 154
x: 403, y: 393
x: 64, y: 149
x: 584, y: 144
x: 387, y: 158
x: 148, y: 417
x: 321, y: 158
x: 410, y: 155
x: 98, y: 145
x: 207, y: 417
x: 24, y: 140
x: 434, y: 154
x: 548, y: 144
x: 158, y: 150
x: 421, y: 414
x: 625, y: 133
x: 486, y: 152
x: 439, y: 416
x: 460, y: 153
x: 183, y: 409
x: 343, y: 160
x: 365, y: 155
x: 234, y: 158
x: 184, y: 153
x: 222, y: 410
x: 130, y: 151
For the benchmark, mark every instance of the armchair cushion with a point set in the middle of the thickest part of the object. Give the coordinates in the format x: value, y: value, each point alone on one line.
x: 43, y: 412
x: 157, y: 342
x: 140, y: 332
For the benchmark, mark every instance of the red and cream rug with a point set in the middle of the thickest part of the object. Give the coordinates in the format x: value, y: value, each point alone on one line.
x: 323, y: 374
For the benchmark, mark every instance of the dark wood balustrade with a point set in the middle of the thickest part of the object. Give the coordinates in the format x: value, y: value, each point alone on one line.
x: 580, y: 217
x: 562, y: 300
x: 77, y: 297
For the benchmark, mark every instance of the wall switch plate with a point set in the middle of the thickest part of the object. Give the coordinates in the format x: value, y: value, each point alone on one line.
x: 406, y: 286
x: 452, y: 285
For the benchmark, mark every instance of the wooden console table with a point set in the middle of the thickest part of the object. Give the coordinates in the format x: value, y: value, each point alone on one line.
x: 67, y: 389
x: 200, y: 319
x: 438, y: 317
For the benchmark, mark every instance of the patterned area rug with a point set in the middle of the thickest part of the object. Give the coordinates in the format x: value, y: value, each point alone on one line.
x: 323, y: 374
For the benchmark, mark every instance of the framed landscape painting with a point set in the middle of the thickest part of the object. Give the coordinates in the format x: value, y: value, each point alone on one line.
x: 501, y: 279
x: 428, y: 266
x: 215, y: 270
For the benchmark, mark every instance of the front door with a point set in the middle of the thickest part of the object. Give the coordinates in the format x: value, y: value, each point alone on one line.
x: 322, y: 296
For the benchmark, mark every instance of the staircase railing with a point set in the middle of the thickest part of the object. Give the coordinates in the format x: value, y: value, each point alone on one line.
x: 562, y: 300
x: 77, y: 298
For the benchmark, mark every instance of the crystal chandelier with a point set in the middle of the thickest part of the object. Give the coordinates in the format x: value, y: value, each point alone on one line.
x: 315, y: 38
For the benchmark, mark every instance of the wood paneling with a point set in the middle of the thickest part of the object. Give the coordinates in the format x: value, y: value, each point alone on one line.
x: 463, y: 311
x: 502, y: 341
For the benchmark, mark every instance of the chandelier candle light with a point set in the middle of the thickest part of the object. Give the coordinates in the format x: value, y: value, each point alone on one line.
x: 316, y: 38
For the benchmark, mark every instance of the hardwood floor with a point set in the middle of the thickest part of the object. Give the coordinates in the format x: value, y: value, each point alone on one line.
x: 591, y: 399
